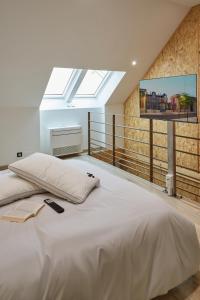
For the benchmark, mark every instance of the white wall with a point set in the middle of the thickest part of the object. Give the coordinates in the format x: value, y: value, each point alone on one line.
x: 101, y: 35
x: 19, y: 132
x: 20, y: 128
x: 64, y: 117
x: 80, y: 40
x: 118, y: 111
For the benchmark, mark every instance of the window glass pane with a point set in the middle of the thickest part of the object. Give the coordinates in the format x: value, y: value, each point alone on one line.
x: 58, y: 81
x: 91, y: 82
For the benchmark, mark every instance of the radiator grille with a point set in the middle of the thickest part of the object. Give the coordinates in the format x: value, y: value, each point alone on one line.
x: 66, y: 150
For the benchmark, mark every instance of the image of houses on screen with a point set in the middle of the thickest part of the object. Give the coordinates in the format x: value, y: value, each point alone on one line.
x: 172, y: 98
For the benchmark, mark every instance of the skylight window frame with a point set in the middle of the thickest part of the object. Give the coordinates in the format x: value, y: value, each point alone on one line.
x: 68, y: 100
x: 99, y: 89
x: 68, y: 84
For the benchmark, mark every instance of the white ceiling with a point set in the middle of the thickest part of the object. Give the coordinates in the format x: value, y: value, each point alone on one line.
x: 37, y: 35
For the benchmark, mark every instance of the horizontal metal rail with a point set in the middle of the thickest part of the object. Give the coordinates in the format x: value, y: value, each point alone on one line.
x: 158, y: 159
x: 157, y: 172
x: 186, y: 168
x: 92, y: 143
x: 159, y: 179
x: 138, y: 153
x: 107, y: 159
x: 132, y: 169
x: 187, y: 137
x: 102, y: 123
x: 124, y: 154
x: 133, y: 140
x: 101, y: 142
x: 132, y: 162
x: 187, y: 177
x: 186, y: 191
x: 183, y: 182
x: 159, y: 146
x: 94, y: 130
x: 184, y: 177
x: 132, y: 128
x: 188, y: 153
x: 101, y: 152
x: 160, y: 168
x: 160, y: 132
x: 109, y: 114
x: 98, y: 147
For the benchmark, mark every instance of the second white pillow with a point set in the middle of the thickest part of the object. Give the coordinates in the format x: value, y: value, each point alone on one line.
x: 13, y: 188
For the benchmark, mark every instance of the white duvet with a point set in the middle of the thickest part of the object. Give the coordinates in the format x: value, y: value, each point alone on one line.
x: 122, y: 243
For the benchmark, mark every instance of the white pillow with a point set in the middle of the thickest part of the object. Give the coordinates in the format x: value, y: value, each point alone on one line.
x: 13, y: 188
x: 53, y: 175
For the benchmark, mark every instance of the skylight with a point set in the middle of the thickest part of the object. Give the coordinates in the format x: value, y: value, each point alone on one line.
x: 60, y: 78
x: 69, y: 87
x: 91, y: 84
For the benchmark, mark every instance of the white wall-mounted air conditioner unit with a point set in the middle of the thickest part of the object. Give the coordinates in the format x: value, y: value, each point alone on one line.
x: 65, y: 141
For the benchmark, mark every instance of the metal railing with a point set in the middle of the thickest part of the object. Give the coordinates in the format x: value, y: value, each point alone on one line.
x: 108, y: 149
x: 188, y: 177
x: 137, y: 150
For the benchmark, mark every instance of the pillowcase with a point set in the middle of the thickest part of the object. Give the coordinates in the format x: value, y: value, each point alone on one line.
x: 13, y: 188
x: 53, y: 175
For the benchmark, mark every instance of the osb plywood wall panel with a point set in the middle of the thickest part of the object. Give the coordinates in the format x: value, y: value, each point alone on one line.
x: 179, y: 57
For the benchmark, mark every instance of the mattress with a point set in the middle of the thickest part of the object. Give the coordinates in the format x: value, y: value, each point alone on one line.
x: 122, y: 243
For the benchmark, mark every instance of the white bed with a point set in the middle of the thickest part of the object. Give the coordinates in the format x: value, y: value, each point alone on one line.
x: 122, y: 243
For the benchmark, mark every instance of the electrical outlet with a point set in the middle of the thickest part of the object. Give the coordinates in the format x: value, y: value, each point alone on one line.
x: 19, y: 154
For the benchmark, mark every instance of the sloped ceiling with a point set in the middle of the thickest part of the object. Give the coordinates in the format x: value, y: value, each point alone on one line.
x: 37, y: 35
x: 189, y: 3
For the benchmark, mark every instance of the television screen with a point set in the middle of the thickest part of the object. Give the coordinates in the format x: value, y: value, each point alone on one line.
x: 169, y: 98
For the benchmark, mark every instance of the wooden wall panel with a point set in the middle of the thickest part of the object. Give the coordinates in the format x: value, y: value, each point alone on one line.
x: 180, y: 56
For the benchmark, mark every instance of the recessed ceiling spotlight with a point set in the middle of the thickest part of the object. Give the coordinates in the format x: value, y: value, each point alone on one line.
x: 134, y: 63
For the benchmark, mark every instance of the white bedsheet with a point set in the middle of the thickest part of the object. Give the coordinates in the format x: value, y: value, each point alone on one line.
x: 122, y: 243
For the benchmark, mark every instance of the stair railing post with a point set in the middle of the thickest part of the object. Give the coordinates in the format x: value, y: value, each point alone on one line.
x: 89, y: 142
x: 151, y: 150
x: 174, y: 158
x: 171, y: 149
x: 113, y: 139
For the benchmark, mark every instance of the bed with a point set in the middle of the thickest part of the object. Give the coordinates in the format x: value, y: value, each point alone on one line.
x: 122, y: 243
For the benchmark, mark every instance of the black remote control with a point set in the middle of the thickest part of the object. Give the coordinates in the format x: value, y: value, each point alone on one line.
x: 54, y: 205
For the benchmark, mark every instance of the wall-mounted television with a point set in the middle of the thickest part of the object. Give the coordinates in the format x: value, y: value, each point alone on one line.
x: 169, y: 98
